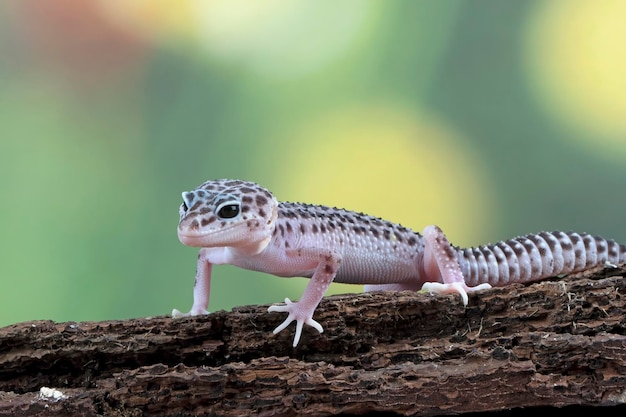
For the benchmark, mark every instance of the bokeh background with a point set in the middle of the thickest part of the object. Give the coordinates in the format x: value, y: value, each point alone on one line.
x: 489, y: 118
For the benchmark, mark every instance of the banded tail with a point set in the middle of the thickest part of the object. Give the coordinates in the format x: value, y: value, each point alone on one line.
x: 537, y: 256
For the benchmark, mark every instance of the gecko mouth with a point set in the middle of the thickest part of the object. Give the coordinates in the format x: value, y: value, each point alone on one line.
x: 191, y: 238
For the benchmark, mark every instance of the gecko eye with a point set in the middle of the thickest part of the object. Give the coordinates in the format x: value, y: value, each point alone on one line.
x: 184, y: 208
x: 228, y: 210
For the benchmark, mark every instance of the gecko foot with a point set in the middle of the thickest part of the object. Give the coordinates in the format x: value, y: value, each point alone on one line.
x: 193, y: 312
x: 296, y: 312
x: 453, y: 288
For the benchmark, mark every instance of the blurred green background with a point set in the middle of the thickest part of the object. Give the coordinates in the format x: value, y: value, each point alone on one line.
x: 489, y: 118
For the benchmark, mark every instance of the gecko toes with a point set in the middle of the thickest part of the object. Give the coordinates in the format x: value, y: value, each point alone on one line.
x: 439, y: 288
x: 453, y: 288
x: 315, y: 325
x: 176, y: 314
x: 297, y: 314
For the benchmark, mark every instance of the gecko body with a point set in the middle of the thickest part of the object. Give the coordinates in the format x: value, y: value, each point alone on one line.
x: 241, y: 223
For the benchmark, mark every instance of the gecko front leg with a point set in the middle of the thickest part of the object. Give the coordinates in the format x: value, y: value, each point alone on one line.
x: 441, y: 261
x: 201, y: 288
x: 302, y: 310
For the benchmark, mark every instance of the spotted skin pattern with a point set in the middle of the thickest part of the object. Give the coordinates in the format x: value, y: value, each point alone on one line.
x: 241, y: 223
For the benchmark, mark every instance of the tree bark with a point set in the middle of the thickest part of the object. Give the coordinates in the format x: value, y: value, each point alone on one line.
x: 555, y: 343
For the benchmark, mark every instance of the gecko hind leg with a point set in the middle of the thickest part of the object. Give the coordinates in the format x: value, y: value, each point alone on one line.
x: 441, y: 263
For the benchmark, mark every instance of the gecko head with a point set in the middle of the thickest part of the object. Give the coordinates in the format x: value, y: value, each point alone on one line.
x: 225, y: 213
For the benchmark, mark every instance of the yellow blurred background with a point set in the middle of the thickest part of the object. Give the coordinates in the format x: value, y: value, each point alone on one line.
x: 488, y: 118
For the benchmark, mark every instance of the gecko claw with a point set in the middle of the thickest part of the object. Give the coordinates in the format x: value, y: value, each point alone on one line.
x: 295, y: 313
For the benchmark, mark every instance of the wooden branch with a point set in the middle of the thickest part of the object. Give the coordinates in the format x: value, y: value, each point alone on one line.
x: 553, y: 343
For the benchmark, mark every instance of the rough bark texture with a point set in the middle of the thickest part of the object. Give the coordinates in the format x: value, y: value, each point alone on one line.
x: 551, y: 344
